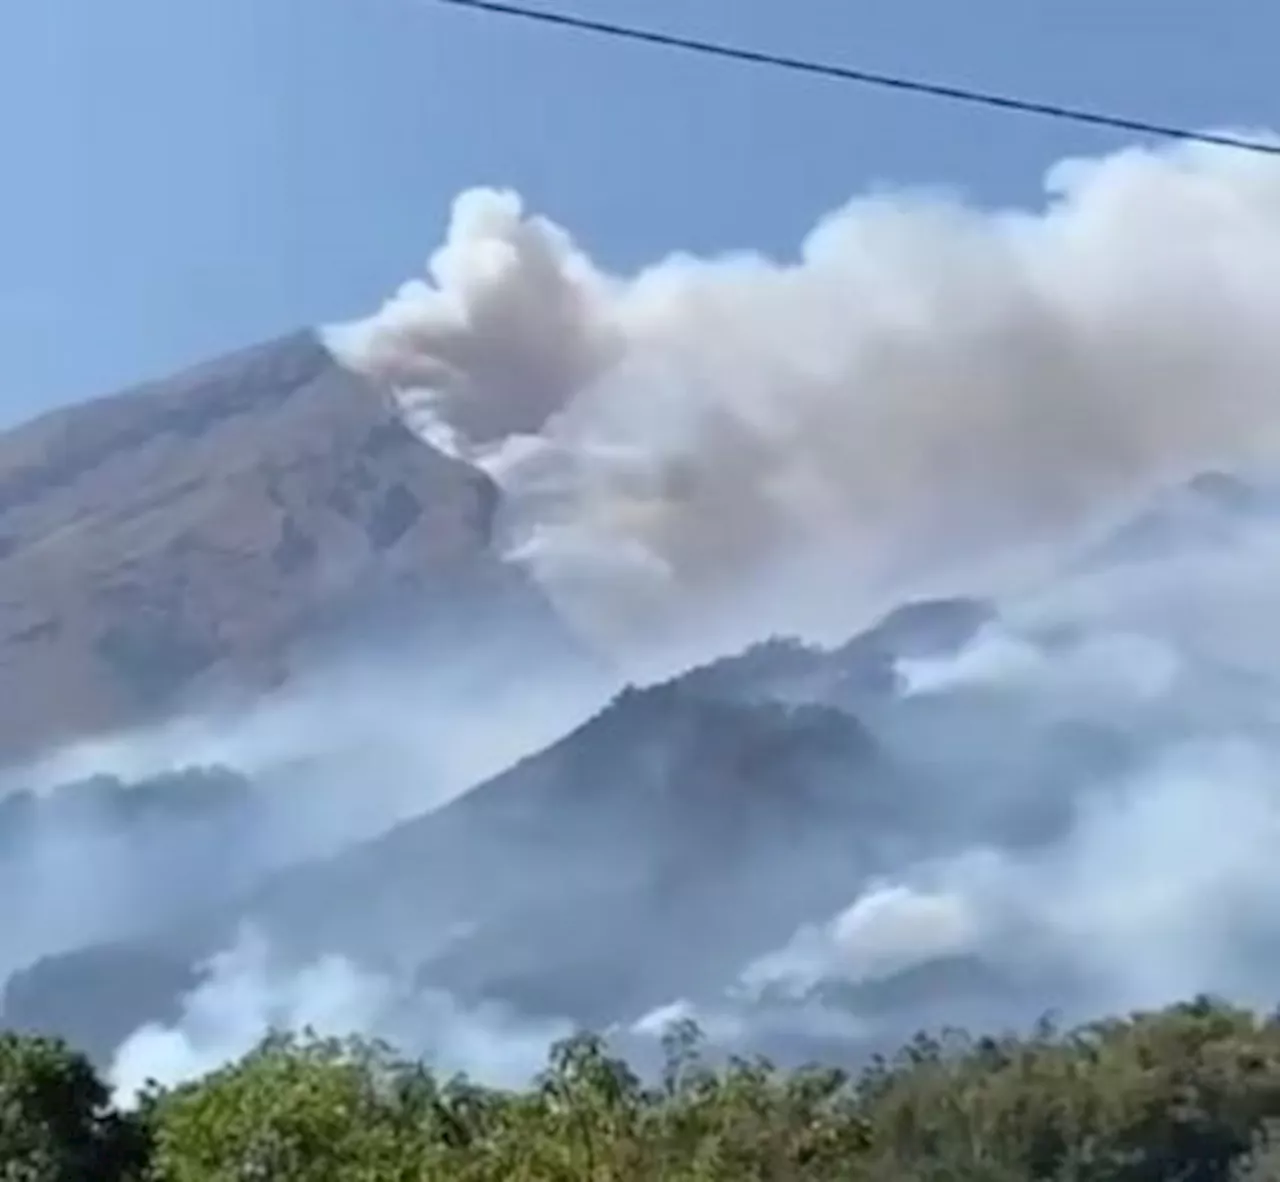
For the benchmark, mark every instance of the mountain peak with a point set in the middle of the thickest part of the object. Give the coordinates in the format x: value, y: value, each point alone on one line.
x: 202, y: 531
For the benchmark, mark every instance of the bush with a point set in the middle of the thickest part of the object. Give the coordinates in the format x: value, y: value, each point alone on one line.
x: 1189, y: 1094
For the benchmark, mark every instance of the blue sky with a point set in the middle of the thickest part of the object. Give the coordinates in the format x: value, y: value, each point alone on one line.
x: 184, y: 176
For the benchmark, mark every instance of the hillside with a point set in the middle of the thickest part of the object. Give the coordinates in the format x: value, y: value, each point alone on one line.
x: 686, y: 830
x: 204, y: 534
x: 932, y: 822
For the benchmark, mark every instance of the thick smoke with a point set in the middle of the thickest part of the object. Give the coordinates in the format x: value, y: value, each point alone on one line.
x: 711, y: 449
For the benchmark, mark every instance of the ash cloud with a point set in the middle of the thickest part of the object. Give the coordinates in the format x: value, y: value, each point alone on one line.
x: 712, y: 449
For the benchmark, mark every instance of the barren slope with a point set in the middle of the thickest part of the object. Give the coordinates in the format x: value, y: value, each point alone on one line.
x: 193, y: 533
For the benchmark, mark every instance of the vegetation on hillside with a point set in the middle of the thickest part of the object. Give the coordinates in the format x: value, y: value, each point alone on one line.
x: 1188, y: 1094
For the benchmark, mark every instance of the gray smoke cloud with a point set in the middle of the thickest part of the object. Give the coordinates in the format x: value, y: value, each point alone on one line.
x: 712, y: 449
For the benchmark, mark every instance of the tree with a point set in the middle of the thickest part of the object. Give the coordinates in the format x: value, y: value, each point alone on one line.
x: 1189, y: 1094
x: 56, y: 1120
x: 297, y: 1109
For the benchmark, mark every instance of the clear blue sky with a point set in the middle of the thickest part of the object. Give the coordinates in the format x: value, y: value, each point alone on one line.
x: 180, y: 177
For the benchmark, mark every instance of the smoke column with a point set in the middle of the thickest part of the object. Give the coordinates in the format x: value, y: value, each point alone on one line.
x: 715, y: 448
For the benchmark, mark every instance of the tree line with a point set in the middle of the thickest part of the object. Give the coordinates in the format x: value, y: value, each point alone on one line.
x: 1186, y: 1094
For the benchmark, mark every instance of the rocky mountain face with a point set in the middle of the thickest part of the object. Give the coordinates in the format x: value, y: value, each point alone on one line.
x: 202, y: 534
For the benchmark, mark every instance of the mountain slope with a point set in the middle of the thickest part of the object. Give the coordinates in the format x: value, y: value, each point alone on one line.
x: 932, y: 822
x: 202, y: 533
x: 631, y: 861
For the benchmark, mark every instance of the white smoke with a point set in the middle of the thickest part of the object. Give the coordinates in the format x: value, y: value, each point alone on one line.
x: 329, y: 763
x: 1159, y: 883
x: 248, y: 994
x: 890, y: 928
x: 712, y: 449
x: 419, y: 738
x: 1163, y: 889
x: 1164, y: 882
x: 242, y: 1000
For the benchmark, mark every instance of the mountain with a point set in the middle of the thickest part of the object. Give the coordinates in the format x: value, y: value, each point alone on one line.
x: 722, y: 839
x: 207, y: 534
x: 695, y: 828
x: 685, y: 830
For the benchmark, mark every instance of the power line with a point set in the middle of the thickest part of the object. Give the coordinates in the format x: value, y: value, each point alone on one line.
x: 864, y: 77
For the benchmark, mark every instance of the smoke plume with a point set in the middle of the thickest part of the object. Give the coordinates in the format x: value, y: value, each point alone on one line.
x: 715, y: 448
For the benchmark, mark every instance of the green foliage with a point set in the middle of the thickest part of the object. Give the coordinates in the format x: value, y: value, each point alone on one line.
x: 295, y: 1111
x: 56, y: 1124
x: 1190, y: 1094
